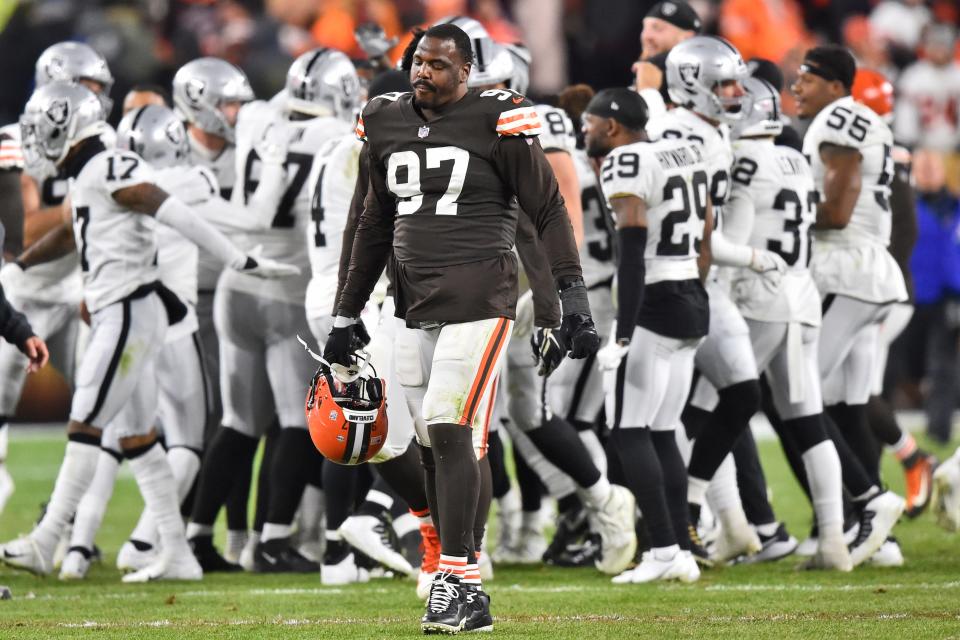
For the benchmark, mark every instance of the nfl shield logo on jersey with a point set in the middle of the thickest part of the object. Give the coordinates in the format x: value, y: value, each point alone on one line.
x: 423, y: 132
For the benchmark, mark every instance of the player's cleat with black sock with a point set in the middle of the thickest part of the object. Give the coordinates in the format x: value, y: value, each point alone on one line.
x: 879, y: 516
x: 76, y: 563
x: 446, y: 606
x: 774, y: 547
x: 918, y: 473
x: 279, y: 556
x: 377, y: 539
x: 135, y: 555
x: 698, y: 549
x: 479, y: 618
x: 209, y: 558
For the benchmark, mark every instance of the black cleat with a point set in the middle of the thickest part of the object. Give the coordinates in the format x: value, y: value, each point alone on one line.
x: 209, y: 558
x: 578, y: 554
x: 279, y: 556
x: 478, y: 610
x: 699, y: 552
x: 446, y: 606
x: 572, y: 527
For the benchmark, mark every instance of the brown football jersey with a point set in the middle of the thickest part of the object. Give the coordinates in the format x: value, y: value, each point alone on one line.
x: 445, y: 194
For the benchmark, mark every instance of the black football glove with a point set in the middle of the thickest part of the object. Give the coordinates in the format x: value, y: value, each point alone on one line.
x: 343, y: 342
x: 577, y: 325
x: 549, y: 349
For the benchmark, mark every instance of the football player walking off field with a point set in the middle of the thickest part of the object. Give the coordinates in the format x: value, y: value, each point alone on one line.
x: 448, y: 167
x: 849, y: 147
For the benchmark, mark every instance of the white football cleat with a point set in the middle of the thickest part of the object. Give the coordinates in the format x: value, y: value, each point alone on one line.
x: 130, y: 558
x: 236, y: 543
x: 75, y: 564
x: 737, y: 538
x: 508, y: 522
x: 485, y: 564
x: 614, y: 521
x: 344, y: 572
x: 182, y: 567
x: 879, y: 516
x: 946, y: 493
x: 424, y: 580
x: 888, y: 555
x: 830, y: 555
x: 248, y: 553
x: 369, y: 534
x: 25, y: 553
x: 681, y: 566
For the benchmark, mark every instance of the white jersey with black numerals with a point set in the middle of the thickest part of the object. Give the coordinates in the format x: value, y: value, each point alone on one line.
x: 331, y: 185
x: 286, y: 225
x: 681, y: 123
x: 558, y: 133
x: 853, y: 261
x: 670, y: 176
x: 847, y: 123
x: 117, y: 247
x: 772, y: 206
x: 596, y: 253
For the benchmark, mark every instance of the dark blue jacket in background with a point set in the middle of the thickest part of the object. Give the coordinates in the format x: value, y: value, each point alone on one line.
x: 935, y: 262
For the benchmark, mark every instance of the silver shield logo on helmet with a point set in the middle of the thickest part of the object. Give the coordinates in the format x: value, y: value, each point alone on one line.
x: 174, y: 133
x: 54, y: 68
x: 194, y: 89
x: 689, y: 72
x: 58, y: 112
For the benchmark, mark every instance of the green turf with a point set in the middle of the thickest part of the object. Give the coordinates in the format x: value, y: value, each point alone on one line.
x: 921, y: 600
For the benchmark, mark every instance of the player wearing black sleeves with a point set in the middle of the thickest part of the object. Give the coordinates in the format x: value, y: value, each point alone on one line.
x: 448, y: 168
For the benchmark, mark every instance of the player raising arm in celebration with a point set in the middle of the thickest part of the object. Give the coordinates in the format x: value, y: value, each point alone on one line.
x: 447, y: 167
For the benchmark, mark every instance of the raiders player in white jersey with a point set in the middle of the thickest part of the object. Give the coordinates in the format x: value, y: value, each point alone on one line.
x: 157, y: 135
x: 258, y: 325
x: 703, y: 79
x: 849, y: 148
x: 772, y: 206
x: 115, y: 208
x: 50, y: 294
x: 658, y: 193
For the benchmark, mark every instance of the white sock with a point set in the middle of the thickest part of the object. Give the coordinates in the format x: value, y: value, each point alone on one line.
x: 406, y: 523
x: 311, y: 512
x: 595, y: 449
x: 195, y: 530
x: 237, y: 539
x: 724, y: 494
x: 697, y: 490
x: 93, y: 505
x: 380, y: 498
x: 184, y: 464
x: 274, y: 531
x: 822, y: 465
x: 159, y: 489
x: 665, y: 553
x: 76, y: 473
x: 596, y: 495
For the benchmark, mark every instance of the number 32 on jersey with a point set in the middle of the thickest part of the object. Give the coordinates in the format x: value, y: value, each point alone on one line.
x: 407, y: 173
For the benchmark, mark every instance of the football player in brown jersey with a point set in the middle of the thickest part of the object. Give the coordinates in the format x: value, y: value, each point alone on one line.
x: 448, y: 168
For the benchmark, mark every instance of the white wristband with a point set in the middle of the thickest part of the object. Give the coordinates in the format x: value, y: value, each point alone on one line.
x: 728, y: 254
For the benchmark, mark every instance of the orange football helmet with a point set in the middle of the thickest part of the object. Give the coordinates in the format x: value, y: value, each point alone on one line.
x: 872, y: 89
x: 347, y: 420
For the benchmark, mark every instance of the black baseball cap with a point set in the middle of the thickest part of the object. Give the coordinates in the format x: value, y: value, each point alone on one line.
x: 831, y: 62
x: 677, y: 13
x: 623, y: 105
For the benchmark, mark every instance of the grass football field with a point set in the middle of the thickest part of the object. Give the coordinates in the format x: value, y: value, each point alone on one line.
x: 920, y: 600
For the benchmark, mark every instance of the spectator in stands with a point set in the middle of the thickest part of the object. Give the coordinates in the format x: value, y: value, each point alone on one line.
x: 933, y: 333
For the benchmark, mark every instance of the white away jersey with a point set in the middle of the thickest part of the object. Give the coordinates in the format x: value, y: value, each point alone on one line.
x: 854, y: 261
x: 772, y: 206
x: 928, y: 106
x: 683, y: 124
x: 331, y: 185
x: 670, y: 176
x: 221, y: 165
x: 847, y: 123
x: 557, y: 132
x: 596, y: 253
x: 281, y: 230
x: 117, y: 247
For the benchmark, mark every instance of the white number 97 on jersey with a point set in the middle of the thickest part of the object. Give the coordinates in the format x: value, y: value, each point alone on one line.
x: 404, y: 178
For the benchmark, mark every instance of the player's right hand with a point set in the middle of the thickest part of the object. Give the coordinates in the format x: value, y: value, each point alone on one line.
x: 549, y: 348
x: 764, y: 261
x: 272, y: 148
x: 609, y: 358
x: 257, y: 265
x: 344, y: 341
x: 36, y: 351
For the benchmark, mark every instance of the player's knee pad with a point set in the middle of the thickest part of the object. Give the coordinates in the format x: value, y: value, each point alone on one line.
x: 408, y: 363
x: 740, y: 400
x: 806, y: 432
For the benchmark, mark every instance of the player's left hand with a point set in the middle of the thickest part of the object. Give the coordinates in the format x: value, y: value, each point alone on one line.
x: 609, y: 358
x: 36, y: 350
x: 272, y: 147
x: 549, y: 348
x: 344, y: 341
x: 764, y: 261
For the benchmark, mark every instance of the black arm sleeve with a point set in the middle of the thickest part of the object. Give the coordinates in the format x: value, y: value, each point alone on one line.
x: 13, y: 325
x: 630, y: 279
x: 371, y: 244
x: 353, y: 219
x: 546, y: 303
x: 11, y: 212
x: 526, y: 171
